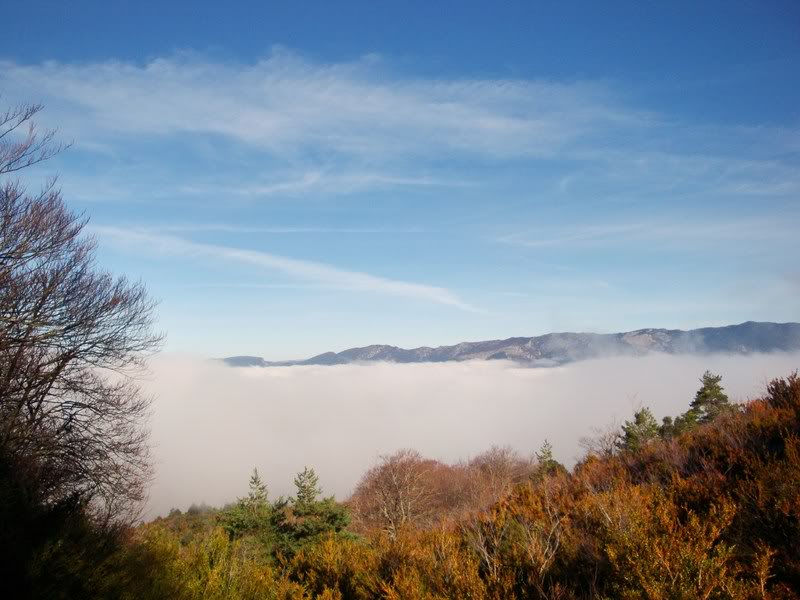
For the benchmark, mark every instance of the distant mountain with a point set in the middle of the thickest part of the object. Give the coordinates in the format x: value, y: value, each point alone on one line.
x: 246, y: 361
x: 561, y: 348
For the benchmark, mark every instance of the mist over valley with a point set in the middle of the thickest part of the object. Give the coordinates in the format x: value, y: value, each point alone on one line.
x: 213, y: 424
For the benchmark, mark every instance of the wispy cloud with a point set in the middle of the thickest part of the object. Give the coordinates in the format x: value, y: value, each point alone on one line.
x: 245, y: 229
x: 317, y: 181
x: 298, y: 269
x: 695, y: 232
x: 285, y: 104
x: 337, y: 128
x: 260, y: 286
x: 227, y: 184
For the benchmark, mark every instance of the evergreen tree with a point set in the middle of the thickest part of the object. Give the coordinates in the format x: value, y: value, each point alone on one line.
x: 545, y: 454
x: 307, y: 484
x: 257, y: 496
x: 710, y: 400
x: 640, y: 431
x: 251, y: 514
x: 667, y: 428
x: 547, y: 464
x: 306, y: 518
x: 256, y: 501
x: 685, y: 422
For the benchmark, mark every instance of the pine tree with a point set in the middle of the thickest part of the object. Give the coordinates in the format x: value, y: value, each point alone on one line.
x: 251, y: 514
x: 307, y: 484
x: 640, y: 431
x: 547, y: 464
x: 256, y: 501
x: 667, y: 428
x: 307, y: 518
x: 710, y: 400
x: 545, y: 454
x: 685, y: 422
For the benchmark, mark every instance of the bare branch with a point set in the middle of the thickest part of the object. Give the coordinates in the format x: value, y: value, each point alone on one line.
x: 72, y: 337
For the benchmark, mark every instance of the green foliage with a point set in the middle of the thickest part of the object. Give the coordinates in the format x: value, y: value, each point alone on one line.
x: 682, y: 423
x: 639, y: 432
x: 304, y: 519
x: 710, y: 401
x: 250, y: 520
x: 546, y: 464
x: 257, y: 496
x: 545, y: 454
x: 276, y: 531
x: 250, y: 514
x: 307, y: 484
x: 667, y: 428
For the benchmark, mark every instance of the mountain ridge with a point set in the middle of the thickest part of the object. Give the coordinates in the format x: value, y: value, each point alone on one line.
x: 553, y: 349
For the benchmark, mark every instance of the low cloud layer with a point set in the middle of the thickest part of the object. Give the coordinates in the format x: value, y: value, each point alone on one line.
x: 212, y: 424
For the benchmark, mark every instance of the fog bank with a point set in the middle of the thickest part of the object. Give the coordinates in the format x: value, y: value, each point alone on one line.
x: 212, y: 423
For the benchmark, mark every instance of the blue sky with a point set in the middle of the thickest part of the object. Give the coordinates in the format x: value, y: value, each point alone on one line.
x: 290, y: 178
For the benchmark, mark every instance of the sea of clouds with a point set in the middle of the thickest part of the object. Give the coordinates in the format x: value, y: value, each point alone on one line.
x: 212, y: 424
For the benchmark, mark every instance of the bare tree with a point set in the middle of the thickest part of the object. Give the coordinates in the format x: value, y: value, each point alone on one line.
x: 540, y: 520
x: 495, y: 472
x: 406, y: 489
x: 604, y: 441
x: 72, y: 339
x: 21, y: 145
x: 394, y: 493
